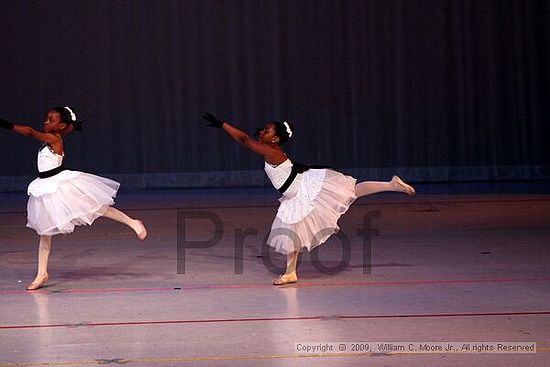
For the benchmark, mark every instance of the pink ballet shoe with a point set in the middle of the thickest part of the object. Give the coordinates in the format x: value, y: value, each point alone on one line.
x: 402, y: 186
x: 142, y: 234
x: 286, y: 279
x: 38, y: 282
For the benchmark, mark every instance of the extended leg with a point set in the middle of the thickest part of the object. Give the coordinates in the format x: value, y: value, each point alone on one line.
x: 135, y: 224
x: 372, y: 187
x: 44, y: 249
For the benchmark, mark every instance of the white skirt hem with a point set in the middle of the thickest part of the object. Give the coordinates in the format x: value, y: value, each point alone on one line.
x: 319, y: 213
x: 68, y: 226
x: 71, y: 198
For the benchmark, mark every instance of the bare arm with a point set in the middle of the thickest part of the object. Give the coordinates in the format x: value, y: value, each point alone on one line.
x: 273, y: 155
x: 53, y: 140
x: 243, y: 138
x: 270, y: 154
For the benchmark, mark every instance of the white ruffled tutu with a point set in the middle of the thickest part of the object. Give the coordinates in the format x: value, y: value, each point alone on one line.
x: 59, y: 203
x: 310, y: 216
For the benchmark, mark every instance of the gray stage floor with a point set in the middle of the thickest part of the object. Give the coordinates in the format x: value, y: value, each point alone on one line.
x: 465, y: 268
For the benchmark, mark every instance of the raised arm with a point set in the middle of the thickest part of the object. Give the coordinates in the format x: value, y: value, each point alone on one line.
x: 243, y: 138
x: 53, y: 140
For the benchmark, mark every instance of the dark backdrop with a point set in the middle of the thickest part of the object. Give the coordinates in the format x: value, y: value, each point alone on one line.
x: 433, y: 90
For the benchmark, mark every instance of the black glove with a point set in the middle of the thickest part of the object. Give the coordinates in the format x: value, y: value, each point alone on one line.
x: 6, y: 124
x: 213, y: 121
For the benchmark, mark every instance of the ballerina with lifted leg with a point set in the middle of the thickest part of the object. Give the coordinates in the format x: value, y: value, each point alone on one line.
x: 314, y: 197
x: 60, y: 199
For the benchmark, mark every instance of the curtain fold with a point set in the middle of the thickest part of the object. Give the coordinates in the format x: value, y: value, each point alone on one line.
x: 438, y: 89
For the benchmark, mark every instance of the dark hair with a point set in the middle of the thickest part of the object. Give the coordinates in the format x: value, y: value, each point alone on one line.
x: 282, y: 130
x: 67, y: 114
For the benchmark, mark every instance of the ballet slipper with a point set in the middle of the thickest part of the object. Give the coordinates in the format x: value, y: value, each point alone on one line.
x: 286, y: 279
x: 143, y: 233
x: 38, y: 282
x: 402, y: 186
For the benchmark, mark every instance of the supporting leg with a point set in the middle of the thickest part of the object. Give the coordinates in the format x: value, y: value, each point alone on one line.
x: 290, y: 275
x: 136, y: 225
x: 44, y: 249
x: 291, y: 262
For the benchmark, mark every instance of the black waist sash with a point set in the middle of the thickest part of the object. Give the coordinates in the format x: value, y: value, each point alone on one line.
x: 51, y: 172
x: 298, y: 168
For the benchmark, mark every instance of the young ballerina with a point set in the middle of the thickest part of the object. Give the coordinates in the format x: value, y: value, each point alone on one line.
x: 60, y: 199
x: 313, y: 198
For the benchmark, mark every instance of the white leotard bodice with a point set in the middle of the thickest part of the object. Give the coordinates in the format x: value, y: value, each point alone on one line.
x: 48, y: 159
x: 278, y: 175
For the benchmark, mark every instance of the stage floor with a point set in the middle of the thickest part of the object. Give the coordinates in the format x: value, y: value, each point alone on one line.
x: 468, y: 266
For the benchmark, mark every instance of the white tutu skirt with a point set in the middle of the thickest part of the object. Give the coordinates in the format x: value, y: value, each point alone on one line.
x: 59, y: 203
x: 310, y: 216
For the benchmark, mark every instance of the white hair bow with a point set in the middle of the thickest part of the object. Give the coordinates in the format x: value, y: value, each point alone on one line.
x: 73, y: 115
x: 288, y: 130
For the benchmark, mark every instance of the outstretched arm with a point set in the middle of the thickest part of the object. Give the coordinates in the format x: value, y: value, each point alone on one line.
x: 53, y: 140
x: 244, y: 139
